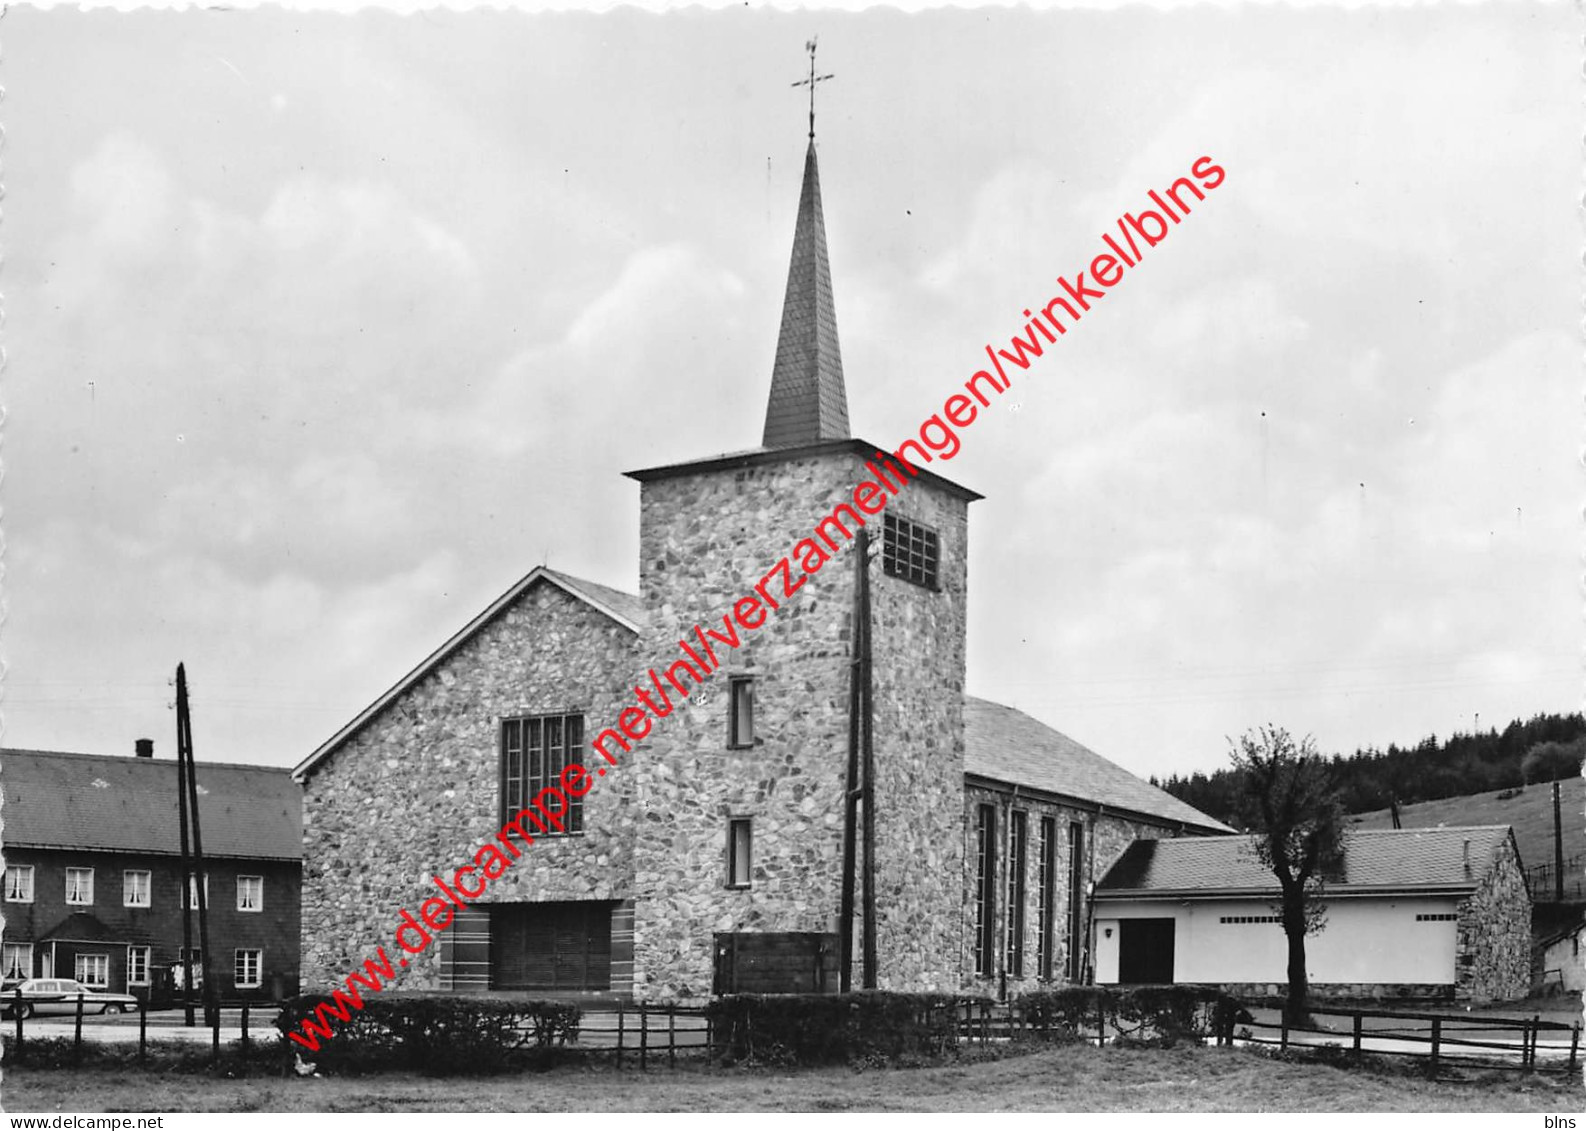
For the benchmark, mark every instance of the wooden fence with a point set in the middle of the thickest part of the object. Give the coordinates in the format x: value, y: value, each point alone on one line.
x: 212, y: 1022
x: 1444, y: 1039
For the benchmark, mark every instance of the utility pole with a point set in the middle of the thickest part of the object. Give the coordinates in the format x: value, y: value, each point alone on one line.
x: 1558, y: 848
x: 845, y: 914
x: 184, y: 882
x: 867, y: 733
x: 184, y: 755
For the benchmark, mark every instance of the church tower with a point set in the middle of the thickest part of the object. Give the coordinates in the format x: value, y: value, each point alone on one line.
x: 740, y: 794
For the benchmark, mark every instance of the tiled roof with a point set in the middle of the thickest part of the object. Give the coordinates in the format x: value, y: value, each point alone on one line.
x: 1373, y: 860
x: 624, y: 608
x: 629, y: 606
x: 808, y: 402
x: 1009, y: 746
x: 126, y: 804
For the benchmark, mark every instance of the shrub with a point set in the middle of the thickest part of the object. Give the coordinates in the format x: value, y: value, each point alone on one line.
x: 1161, y: 1015
x: 261, y: 1057
x: 438, y: 1036
x: 867, y: 1028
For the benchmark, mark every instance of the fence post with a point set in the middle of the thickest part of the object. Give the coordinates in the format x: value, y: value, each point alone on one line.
x: 77, y: 1036
x: 985, y: 1023
x: 143, y: 1029
x: 671, y: 1035
x: 1358, y: 1020
x: 1101, y: 1023
x: 644, y: 1039
x: 1437, y: 1040
x: 17, y: 1011
x: 621, y: 1030
x: 214, y: 1035
x: 1283, y: 1034
x: 1574, y: 1045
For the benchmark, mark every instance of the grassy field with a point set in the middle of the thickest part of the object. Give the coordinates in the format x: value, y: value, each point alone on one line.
x: 1530, y: 812
x: 1068, y: 1078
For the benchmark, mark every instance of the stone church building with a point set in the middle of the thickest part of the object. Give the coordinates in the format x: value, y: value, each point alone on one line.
x: 711, y: 858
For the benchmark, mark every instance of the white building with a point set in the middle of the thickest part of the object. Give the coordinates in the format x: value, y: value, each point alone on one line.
x: 1414, y: 913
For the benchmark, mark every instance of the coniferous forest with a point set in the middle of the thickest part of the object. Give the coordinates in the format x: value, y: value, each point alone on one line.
x: 1542, y: 748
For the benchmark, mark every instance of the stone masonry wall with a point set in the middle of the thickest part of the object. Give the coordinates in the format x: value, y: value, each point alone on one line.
x: 1106, y: 836
x: 706, y: 540
x: 1493, y: 952
x: 416, y: 792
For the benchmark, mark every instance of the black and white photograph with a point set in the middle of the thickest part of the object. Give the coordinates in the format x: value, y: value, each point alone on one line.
x: 839, y: 559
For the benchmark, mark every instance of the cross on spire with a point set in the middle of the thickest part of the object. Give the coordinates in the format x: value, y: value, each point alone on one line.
x: 810, y: 82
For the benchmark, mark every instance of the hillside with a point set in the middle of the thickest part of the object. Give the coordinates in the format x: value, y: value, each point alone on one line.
x: 1529, y: 810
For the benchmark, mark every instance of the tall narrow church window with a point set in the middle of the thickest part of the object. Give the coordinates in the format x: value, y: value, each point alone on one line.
x: 740, y: 711
x: 1076, y: 901
x: 739, y: 849
x: 1046, y: 897
x: 1018, y: 852
x: 535, y: 749
x: 910, y: 551
x: 985, y: 889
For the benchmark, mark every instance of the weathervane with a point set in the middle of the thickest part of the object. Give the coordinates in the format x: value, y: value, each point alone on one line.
x: 810, y: 82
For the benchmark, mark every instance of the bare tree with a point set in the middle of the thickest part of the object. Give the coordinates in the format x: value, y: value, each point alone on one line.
x: 1291, y: 805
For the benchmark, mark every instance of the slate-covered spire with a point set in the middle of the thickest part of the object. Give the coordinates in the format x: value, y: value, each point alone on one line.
x: 808, y: 402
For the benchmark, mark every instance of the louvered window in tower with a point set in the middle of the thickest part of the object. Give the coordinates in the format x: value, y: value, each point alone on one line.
x: 910, y: 551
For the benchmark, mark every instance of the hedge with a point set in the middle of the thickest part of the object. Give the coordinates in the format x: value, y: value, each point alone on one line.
x: 1163, y: 1015
x: 437, y: 1036
x: 869, y: 1027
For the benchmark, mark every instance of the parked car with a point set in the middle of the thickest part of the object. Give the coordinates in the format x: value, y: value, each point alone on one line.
x: 59, y: 995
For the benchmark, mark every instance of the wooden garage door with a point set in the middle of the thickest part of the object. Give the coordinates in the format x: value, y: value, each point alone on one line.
x: 1145, y: 951
x: 562, y: 947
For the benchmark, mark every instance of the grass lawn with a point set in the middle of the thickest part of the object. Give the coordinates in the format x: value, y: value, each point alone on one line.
x: 1072, y: 1078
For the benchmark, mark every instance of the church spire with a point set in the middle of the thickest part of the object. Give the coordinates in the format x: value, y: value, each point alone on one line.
x: 808, y: 401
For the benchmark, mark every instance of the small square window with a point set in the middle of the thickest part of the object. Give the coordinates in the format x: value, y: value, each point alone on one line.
x: 740, y: 711
x: 739, y: 849
x: 19, y: 883
x: 80, y: 888
x: 250, y: 893
x: 135, y: 888
x: 911, y: 551
x: 248, y: 969
x: 92, y: 970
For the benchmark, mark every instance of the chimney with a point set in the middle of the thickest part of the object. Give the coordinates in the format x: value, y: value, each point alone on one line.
x: 143, y: 747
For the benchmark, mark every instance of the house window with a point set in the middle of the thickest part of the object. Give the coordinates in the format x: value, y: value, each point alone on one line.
x: 250, y: 893
x: 1076, y: 902
x: 1249, y: 919
x: 135, y: 888
x: 1018, y: 852
x: 19, y: 883
x: 740, y: 711
x: 1046, y: 897
x: 80, y: 887
x: 1440, y: 917
x: 192, y: 891
x: 740, y: 843
x: 248, y: 969
x: 137, y: 965
x: 909, y: 551
x: 17, y: 961
x: 92, y: 970
x: 985, y: 888
x: 534, y: 752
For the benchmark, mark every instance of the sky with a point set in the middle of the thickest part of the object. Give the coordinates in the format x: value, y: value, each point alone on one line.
x: 322, y: 330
